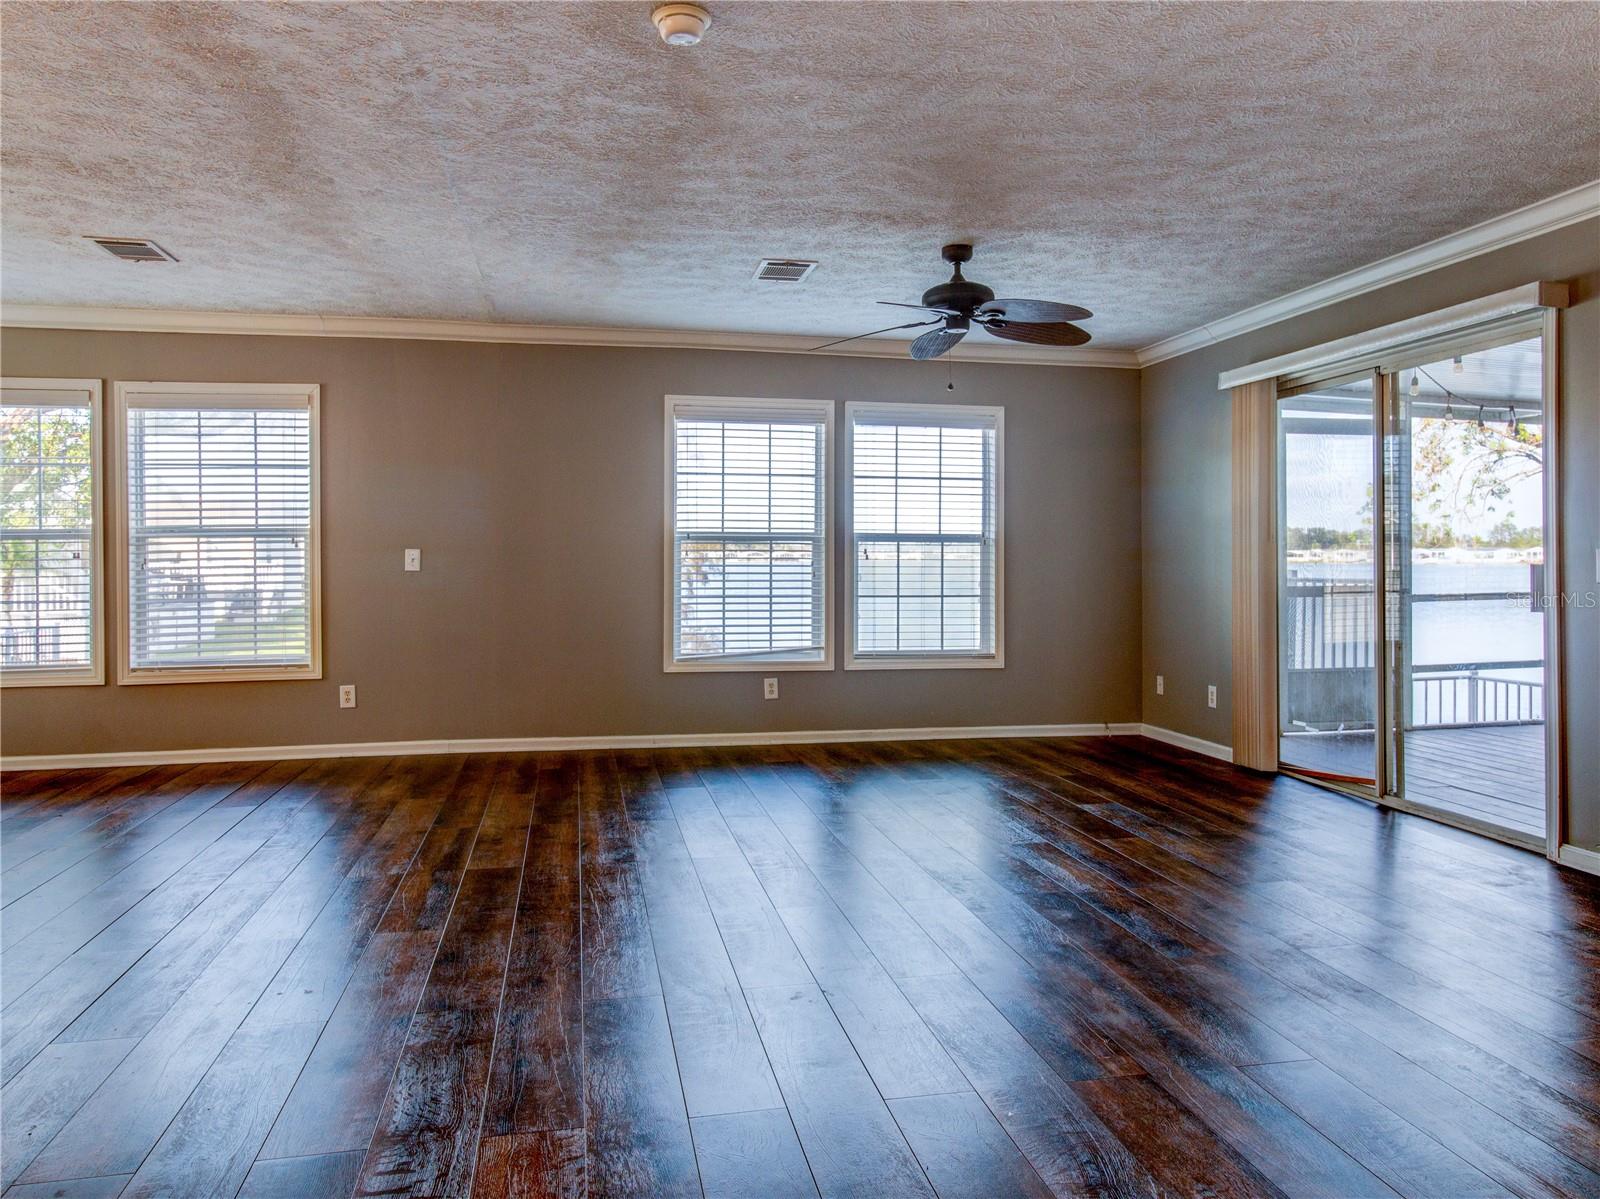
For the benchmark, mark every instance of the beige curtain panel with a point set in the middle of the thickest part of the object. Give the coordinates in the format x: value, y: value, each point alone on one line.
x: 1255, y: 582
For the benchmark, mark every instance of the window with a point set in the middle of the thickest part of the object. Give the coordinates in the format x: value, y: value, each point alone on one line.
x: 747, y: 518
x: 218, y: 531
x: 50, y: 553
x: 925, y: 536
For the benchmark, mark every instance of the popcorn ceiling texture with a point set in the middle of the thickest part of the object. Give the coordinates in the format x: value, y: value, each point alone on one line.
x: 556, y: 163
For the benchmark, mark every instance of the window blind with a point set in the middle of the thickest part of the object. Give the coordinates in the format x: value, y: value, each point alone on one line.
x: 47, y: 554
x: 219, y: 536
x: 748, y: 563
x: 924, y: 532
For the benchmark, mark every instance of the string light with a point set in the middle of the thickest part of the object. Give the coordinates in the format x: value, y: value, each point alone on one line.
x: 1458, y: 366
x: 1513, y: 425
x: 1480, y: 416
x: 1450, y: 397
x: 1416, y: 387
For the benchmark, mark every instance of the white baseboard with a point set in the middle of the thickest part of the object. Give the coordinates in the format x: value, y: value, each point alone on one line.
x: 1211, y: 749
x: 1579, y: 858
x: 373, y: 749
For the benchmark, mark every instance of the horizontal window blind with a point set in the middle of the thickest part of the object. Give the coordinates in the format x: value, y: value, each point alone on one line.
x: 924, y: 529
x: 47, y: 556
x: 749, y: 566
x: 219, y: 536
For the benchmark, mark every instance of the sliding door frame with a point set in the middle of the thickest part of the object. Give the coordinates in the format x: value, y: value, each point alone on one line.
x: 1383, y: 395
x: 1253, y: 544
x: 1555, y: 707
x: 1394, y: 676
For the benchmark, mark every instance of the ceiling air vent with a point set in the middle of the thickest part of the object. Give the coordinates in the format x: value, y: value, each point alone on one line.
x: 133, y: 249
x: 783, y: 270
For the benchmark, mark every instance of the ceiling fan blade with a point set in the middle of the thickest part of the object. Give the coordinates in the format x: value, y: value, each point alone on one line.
x: 936, y: 342
x: 1036, y: 333
x: 874, y: 333
x: 920, y: 307
x: 1036, y: 312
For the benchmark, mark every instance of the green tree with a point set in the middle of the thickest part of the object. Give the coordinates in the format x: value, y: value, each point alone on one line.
x: 1462, y: 467
x: 44, y: 482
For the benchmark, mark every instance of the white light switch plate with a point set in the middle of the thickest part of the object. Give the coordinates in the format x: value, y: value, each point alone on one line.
x: 413, y: 559
x: 1161, y: 684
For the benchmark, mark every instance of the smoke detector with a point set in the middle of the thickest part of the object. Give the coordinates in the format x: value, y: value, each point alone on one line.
x: 681, y: 24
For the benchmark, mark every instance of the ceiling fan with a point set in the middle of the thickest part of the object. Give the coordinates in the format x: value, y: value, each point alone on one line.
x: 960, y: 304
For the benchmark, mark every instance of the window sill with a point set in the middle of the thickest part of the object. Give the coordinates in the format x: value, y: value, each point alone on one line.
x: 996, y: 662
x: 89, y: 677
x: 200, y: 674
x: 770, y: 666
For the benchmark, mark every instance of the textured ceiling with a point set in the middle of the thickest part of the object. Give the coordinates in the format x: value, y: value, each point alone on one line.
x: 556, y: 163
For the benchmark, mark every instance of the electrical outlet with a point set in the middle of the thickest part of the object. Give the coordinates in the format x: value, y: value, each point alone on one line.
x: 1211, y: 696
x: 413, y: 559
x: 769, y: 688
x: 347, y: 695
x: 1161, y: 684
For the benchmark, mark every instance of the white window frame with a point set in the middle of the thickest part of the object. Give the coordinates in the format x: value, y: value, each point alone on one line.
x: 74, y: 392
x: 215, y: 395
x: 997, y: 660
x: 670, y: 663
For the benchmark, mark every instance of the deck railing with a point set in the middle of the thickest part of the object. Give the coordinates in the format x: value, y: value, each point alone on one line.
x: 1328, y: 624
x: 1469, y: 698
x: 1329, y: 643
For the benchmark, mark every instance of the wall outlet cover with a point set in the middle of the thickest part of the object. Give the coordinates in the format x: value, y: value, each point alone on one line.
x: 347, y: 695
x: 769, y: 688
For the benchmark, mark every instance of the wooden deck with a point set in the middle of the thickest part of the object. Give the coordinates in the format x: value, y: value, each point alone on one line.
x: 1494, y: 773
x: 971, y: 970
x: 1491, y: 773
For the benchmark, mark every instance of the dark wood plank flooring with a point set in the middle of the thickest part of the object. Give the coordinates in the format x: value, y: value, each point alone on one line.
x: 1012, y: 968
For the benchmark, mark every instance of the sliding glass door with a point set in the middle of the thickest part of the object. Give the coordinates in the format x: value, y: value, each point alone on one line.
x: 1467, y: 586
x: 1327, y: 662
x: 1419, y: 485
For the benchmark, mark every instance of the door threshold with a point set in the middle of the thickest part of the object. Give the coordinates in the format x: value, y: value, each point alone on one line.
x: 1356, y: 789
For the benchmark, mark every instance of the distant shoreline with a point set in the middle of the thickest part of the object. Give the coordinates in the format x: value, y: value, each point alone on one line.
x: 1459, y: 556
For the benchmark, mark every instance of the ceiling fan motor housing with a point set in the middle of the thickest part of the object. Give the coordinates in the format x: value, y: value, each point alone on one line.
x: 960, y: 294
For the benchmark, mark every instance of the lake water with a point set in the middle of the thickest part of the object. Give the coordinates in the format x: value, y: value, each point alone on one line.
x: 1484, y: 630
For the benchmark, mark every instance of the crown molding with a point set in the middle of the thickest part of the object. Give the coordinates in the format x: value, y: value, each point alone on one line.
x: 1543, y: 216
x: 272, y: 324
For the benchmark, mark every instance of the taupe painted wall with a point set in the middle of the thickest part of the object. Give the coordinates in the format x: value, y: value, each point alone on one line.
x: 531, y: 477
x: 1187, y: 535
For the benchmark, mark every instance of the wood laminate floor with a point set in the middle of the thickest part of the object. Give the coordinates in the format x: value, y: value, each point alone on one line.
x: 1014, y: 968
